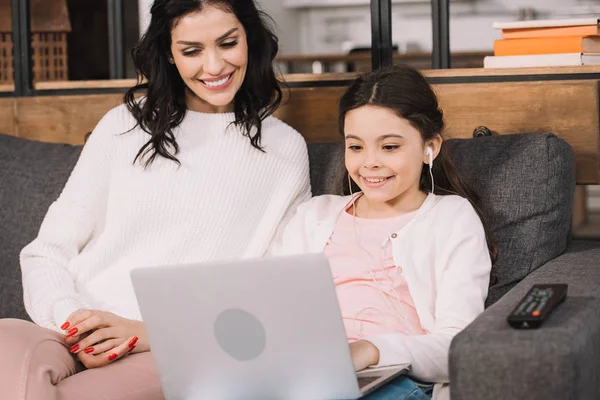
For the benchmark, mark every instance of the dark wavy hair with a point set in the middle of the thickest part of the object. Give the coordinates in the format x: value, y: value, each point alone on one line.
x: 405, y: 91
x: 164, y: 106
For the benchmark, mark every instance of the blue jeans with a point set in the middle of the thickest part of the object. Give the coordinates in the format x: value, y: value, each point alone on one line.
x: 402, y: 388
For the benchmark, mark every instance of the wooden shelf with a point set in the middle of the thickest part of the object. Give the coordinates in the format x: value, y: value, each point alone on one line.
x: 99, y: 84
x: 431, y: 73
x: 584, y: 69
x: 366, y: 56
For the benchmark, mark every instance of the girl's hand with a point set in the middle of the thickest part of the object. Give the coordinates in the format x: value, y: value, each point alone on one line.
x: 364, y: 354
x: 99, y: 337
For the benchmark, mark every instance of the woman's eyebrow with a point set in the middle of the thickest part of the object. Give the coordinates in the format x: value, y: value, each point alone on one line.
x: 229, y: 32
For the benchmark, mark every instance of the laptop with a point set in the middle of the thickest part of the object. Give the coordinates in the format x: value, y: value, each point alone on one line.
x: 251, y: 329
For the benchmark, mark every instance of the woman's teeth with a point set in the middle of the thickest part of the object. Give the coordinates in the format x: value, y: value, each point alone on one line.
x: 375, y: 180
x: 217, y: 83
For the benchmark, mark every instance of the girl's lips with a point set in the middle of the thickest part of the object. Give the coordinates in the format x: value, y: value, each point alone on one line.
x: 375, y: 184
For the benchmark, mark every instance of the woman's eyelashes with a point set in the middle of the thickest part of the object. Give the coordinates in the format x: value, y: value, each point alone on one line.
x: 196, y: 51
x: 230, y: 44
x: 190, y: 53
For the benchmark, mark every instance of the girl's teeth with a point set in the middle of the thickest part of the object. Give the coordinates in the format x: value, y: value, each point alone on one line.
x: 217, y: 83
x: 375, y: 180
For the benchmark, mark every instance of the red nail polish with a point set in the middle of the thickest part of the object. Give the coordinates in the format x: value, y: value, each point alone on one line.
x: 112, y: 357
x: 131, y: 348
x: 65, y: 326
x: 74, y: 348
x: 89, y: 350
x: 133, y: 341
x: 72, y: 332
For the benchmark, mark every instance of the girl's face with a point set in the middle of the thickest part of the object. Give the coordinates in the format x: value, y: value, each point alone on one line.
x: 384, y: 156
x: 210, y: 52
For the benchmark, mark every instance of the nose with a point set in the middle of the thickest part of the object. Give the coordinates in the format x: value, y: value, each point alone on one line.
x: 371, y: 160
x: 213, y: 63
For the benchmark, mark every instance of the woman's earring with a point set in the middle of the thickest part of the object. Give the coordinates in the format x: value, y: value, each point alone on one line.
x: 171, y: 60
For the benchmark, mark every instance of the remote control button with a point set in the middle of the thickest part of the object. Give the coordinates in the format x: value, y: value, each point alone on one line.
x: 536, y: 313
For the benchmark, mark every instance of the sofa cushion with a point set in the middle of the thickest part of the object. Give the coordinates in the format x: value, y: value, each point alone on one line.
x: 527, y: 198
x: 326, y: 167
x: 526, y: 184
x: 32, y: 175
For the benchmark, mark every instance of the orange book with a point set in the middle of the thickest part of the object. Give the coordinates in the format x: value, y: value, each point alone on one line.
x: 582, y: 30
x: 547, y: 45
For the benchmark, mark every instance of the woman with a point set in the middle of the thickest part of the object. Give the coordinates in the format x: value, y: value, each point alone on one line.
x: 196, y: 170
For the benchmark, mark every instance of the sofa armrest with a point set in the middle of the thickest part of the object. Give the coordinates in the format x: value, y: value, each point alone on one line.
x: 560, y: 360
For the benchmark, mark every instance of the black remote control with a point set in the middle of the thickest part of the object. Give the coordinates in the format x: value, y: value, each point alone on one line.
x: 537, y: 304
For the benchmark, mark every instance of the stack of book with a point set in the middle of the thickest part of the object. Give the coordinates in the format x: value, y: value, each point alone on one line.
x: 546, y: 43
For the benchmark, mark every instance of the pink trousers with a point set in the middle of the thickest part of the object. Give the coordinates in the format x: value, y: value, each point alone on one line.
x: 35, y: 364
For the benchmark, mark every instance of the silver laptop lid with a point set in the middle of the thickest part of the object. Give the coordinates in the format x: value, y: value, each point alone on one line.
x: 252, y: 329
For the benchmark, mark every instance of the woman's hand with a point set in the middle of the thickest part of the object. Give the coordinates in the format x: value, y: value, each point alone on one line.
x: 99, y: 338
x: 364, y: 354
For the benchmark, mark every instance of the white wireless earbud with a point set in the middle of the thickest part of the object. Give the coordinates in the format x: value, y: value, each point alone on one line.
x: 429, y: 152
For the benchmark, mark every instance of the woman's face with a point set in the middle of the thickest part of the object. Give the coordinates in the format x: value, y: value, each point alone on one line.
x: 210, y: 52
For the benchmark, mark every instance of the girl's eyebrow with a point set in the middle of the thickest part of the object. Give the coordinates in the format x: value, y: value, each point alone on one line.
x: 223, y: 36
x: 380, y: 138
x: 352, y: 137
x: 390, y: 135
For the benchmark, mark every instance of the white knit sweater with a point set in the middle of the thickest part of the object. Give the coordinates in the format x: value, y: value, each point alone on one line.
x: 226, y: 200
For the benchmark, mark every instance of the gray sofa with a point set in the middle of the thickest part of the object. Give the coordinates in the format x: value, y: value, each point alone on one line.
x: 526, y: 183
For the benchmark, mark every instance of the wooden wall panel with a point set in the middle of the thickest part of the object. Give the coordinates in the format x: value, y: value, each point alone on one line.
x: 62, y: 119
x: 567, y: 108
x: 313, y: 112
x: 580, y: 208
x: 7, y: 117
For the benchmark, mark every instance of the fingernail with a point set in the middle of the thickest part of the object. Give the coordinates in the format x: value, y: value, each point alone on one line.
x: 133, y: 341
x: 131, y: 348
x: 72, y: 332
x: 74, y: 348
x: 112, y: 357
x: 65, y: 326
x: 89, y: 350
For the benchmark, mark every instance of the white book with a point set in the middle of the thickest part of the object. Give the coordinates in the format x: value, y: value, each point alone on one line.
x: 546, y: 23
x: 541, y: 60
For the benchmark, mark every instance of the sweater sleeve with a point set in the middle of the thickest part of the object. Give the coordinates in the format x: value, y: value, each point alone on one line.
x: 461, y: 294
x: 50, y: 294
x: 289, y: 220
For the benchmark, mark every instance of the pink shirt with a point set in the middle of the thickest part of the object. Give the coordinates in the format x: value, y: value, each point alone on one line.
x: 364, y: 309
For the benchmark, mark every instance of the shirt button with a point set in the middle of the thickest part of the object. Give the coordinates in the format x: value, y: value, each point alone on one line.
x: 394, y: 236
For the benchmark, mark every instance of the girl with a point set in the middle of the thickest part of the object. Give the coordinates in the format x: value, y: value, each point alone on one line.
x: 411, y: 267
x: 197, y: 170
